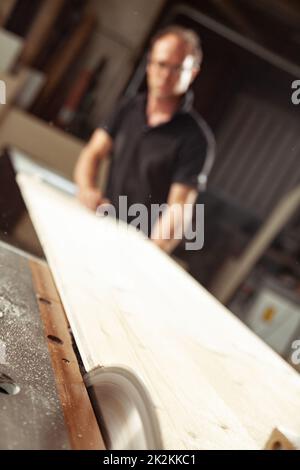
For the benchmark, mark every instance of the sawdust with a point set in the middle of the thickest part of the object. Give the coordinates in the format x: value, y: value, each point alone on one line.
x: 8, y: 307
x: 27, y: 362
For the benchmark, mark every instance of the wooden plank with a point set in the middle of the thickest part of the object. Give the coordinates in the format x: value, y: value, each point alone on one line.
x: 43, y: 143
x: 80, y: 420
x: 43, y: 282
x: 282, y: 439
x: 11, y: 46
x: 40, y: 29
x: 64, y: 58
x: 213, y: 383
x: 6, y: 8
x: 13, y: 86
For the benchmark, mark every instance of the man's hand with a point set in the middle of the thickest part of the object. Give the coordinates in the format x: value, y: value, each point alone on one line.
x: 176, y: 216
x: 91, y: 197
x: 87, y: 166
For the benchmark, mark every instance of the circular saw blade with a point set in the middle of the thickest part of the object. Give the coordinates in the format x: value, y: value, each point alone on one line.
x: 124, y: 409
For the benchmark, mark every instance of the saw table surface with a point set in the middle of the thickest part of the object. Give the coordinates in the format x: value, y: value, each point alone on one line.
x: 30, y: 414
x: 43, y: 400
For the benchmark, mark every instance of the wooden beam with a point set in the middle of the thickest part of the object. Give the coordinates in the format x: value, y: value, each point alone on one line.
x: 43, y: 143
x: 6, y: 8
x: 79, y: 416
x: 40, y: 30
x: 64, y: 58
x: 13, y: 86
x: 235, y: 14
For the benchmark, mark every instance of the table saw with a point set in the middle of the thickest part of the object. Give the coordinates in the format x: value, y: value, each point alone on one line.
x: 46, y: 399
x: 43, y: 401
x: 110, y: 343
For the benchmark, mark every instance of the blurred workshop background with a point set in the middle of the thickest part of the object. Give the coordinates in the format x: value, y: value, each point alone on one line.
x: 66, y: 62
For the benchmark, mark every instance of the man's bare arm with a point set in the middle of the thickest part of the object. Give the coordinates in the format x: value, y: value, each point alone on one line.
x: 85, y: 173
x: 171, y: 223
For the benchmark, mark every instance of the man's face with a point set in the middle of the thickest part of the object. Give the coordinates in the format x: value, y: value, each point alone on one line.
x: 171, y: 68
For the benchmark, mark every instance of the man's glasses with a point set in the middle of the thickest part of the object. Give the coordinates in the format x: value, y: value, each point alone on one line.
x: 174, y: 69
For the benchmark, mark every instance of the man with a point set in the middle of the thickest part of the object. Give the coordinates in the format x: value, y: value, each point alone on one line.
x: 158, y: 147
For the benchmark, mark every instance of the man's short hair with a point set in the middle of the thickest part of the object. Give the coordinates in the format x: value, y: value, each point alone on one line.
x: 189, y: 36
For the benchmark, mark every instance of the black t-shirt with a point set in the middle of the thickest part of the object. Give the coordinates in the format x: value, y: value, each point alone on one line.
x: 147, y: 160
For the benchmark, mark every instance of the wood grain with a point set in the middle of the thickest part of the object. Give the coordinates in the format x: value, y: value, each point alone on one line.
x: 79, y: 416
x: 214, y: 384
